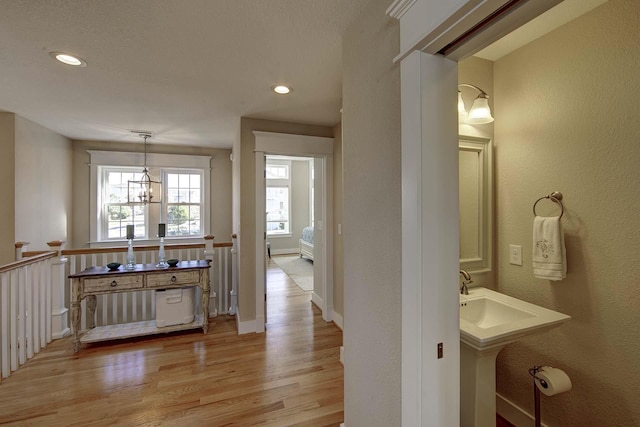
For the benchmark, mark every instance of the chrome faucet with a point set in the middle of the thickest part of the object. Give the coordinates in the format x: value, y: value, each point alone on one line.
x: 467, y: 280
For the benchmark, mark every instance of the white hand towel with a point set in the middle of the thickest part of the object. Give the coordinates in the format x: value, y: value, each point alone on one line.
x: 549, y: 253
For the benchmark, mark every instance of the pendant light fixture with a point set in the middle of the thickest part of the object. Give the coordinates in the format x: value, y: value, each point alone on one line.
x: 147, y: 189
x: 480, y: 113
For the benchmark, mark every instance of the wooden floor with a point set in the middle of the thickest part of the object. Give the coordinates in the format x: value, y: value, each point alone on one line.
x: 289, y: 376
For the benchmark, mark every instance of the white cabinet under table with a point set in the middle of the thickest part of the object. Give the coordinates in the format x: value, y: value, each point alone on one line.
x: 100, y: 280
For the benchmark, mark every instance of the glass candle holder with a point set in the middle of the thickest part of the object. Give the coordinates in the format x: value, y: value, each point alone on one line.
x: 131, y: 258
x: 162, y: 262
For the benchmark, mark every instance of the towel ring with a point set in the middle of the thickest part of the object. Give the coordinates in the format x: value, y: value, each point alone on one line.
x: 556, y: 197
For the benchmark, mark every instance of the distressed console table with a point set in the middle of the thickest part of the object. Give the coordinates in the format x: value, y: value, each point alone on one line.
x: 100, y: 280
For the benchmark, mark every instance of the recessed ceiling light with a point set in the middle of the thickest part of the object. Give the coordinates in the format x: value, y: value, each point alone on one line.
x: 65, y: 58
x: 282, y: 90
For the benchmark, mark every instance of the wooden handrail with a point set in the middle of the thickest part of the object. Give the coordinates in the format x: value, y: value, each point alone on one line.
x: 27, y: 261
x: 28, y: 254
x: 111, y: 249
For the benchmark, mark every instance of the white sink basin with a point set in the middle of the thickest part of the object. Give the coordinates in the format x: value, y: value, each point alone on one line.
x: 489, y: 319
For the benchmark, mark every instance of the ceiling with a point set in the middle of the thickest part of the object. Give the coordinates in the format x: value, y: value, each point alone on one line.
x: 187, y: 70
x: 555, y: 17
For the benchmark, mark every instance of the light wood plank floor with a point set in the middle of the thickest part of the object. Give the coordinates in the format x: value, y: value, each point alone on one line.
x: 289, y: 376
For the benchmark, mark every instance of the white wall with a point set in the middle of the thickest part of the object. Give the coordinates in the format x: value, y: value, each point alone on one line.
x: 372, y: 219
x: 565, y: 108
x: 43, y: 178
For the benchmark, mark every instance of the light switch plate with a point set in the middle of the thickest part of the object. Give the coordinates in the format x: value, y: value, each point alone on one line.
x: 515, y: 254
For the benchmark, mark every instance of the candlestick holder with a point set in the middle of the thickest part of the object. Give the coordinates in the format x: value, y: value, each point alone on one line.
x: 162, y: 262
x: 131, y: 258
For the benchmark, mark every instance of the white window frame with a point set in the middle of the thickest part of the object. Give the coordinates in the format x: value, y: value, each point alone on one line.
x: 103, y: 222
x: 166, y: 204
x: 281, y: 183
x: 158, y: 164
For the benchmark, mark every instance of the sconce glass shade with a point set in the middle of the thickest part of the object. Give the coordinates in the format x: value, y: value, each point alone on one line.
x: 480, y: 112
x: 462, y: 112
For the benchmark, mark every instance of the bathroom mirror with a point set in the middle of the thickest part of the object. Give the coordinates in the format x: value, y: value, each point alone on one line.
x: 476, y: 201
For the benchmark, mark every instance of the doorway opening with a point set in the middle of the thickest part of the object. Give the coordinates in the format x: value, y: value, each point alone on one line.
x: 289, y: 206
x: 318, y: 150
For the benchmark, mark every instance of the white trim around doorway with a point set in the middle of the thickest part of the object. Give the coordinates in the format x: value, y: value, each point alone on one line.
x: 321, y: 149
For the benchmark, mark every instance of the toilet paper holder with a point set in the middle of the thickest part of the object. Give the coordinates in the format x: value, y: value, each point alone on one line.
x: 536, y: 393
x: 551, y: 382
x: 533, y: 371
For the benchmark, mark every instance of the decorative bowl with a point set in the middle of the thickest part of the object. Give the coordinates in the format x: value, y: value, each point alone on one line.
x: 173, y: 262
x: 113, y: 266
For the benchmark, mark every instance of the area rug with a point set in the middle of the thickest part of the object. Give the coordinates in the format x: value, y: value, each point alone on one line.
x: 299, y: 269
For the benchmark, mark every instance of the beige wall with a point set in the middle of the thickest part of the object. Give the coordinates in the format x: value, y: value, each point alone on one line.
x: 8, y: 179
x: 247, y: 208
x: 220, y: 203
x: 43, y: 195
x: 372, y: 219
x: 338, y: 219
x: 566, y: 108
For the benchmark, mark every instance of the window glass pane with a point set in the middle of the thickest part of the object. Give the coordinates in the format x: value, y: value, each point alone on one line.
x: 277, y: 204
x: 183, y: 195
x: 172, y: 180
x: 194, y: 181
x: 195, y: 196
x: 172, y: 195
x: 119, y: 216
x: 194, y: 220
x: 183, y: 220
x: 277, y: 171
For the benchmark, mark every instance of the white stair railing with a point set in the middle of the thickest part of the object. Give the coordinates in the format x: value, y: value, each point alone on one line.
x: 32, y: 293
x: 25, y: 310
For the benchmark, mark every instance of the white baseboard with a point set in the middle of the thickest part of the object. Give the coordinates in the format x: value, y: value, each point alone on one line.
x: 513, y: 413
x: 337, y: 319
x: 244, y: 327
x: 342, y: 355
x: 260, y: 327
x: 317, y: 300
x: 292, y: 251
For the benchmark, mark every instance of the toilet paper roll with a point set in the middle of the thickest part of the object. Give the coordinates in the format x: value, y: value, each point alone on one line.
x: 554, y: 381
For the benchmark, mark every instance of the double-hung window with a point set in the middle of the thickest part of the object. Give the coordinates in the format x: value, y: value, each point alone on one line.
x: 115, y: 213
x: 183, y: 203
x: 183, y: 206
x: 278, y: 197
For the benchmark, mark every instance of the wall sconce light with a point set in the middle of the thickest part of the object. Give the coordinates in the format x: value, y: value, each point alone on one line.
x: 480, y: 113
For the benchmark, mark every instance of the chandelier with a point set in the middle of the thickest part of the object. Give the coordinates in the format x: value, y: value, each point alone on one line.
x: 147, y: 189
